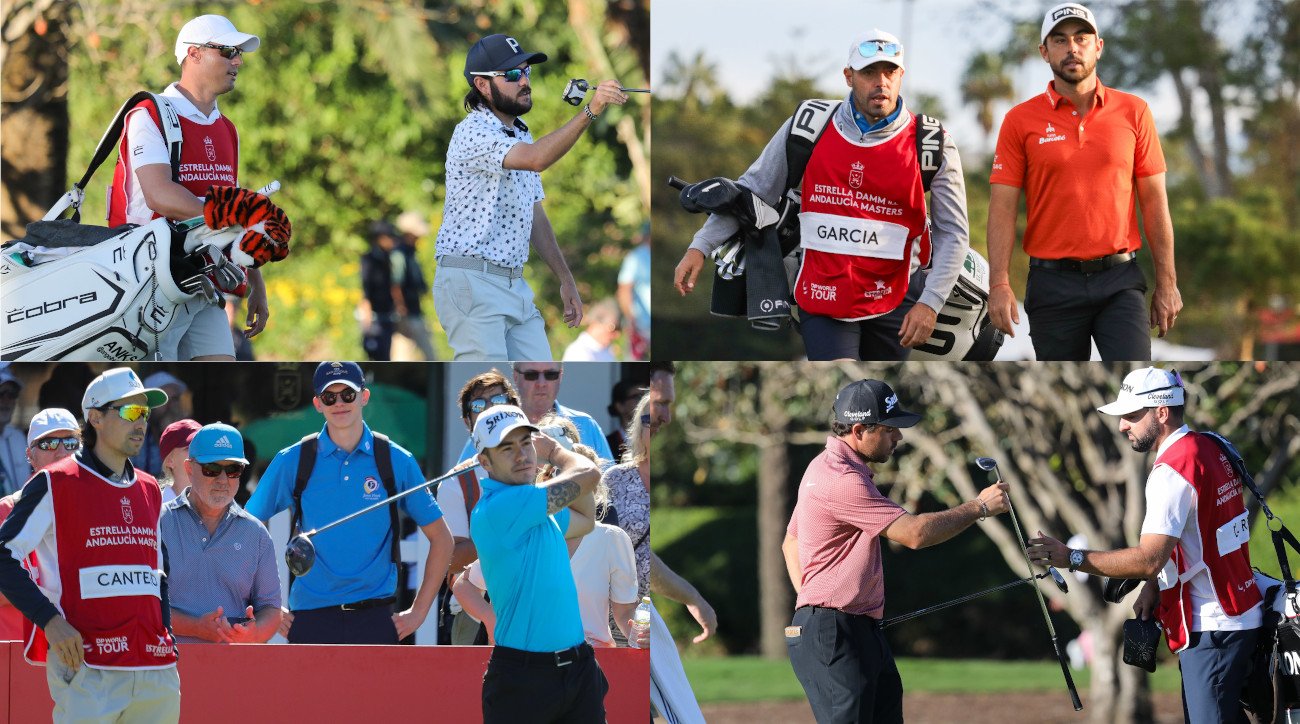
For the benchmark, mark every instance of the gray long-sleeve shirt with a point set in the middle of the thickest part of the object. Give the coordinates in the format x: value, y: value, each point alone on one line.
x: 949, y: 228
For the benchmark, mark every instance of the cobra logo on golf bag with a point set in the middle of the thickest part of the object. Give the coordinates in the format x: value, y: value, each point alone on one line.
x: 15, y: 316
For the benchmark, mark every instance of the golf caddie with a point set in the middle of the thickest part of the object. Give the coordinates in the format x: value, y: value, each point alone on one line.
x: 542, y: 668
x: 92, y: 520
x: 832, y: 553
x: 1193, y: 552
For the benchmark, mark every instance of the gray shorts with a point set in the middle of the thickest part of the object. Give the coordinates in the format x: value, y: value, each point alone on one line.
x: 199, y: 329
x: 106, y: 695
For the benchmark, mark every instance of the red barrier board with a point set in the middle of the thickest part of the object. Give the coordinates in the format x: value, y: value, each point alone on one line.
x: 222, y: 683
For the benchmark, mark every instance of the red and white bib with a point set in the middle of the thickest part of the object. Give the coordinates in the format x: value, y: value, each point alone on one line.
x: 861, y: 222
x: 109, y: 566
x: 1224, y: 530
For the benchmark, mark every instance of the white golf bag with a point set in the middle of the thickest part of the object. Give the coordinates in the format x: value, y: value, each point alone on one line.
x: 962, y: 330
x: 79, y: 292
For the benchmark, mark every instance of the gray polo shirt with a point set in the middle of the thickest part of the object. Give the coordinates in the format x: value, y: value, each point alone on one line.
x: 488, y: 213
x: 233, y: 568
x: 949, y: 228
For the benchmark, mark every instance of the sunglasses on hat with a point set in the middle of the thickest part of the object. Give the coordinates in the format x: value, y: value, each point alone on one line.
x: 512, y: 76
x: 229, y: 52
x: 479, y: 405
x: 329, y: 398
x: 71, y: 444
x: 872, y: 48
x: 130, y: 413
x: 212, y: 470
x: 532, y: 375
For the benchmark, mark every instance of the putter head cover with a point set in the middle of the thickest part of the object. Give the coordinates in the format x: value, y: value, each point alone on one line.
x: 720, y: 195
x: 1140, y: 641
x: 1113, y: 590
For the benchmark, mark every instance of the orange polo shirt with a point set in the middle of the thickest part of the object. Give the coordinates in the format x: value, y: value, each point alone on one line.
x: 1078, y: 173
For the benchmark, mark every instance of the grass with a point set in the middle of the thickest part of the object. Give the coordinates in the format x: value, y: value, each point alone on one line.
x: 752, y: 679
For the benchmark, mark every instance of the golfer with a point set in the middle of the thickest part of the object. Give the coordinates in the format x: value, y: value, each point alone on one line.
x: 494, y: 214
x: 1193, y: 552
x: 542, y: 668
x: 832, y: 552
x: 1081, y: 153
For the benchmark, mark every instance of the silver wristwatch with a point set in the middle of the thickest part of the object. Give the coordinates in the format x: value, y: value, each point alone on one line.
x: 1076, y: 560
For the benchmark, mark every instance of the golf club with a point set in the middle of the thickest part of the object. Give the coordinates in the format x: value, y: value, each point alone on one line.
x: 300, y: 554
x: 991, y: 465
x: 1057, y: 578
x: 577, y: 89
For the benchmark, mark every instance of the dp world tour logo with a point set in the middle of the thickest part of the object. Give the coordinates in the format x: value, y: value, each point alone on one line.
x: 855, y: 175
x: 127, y: 514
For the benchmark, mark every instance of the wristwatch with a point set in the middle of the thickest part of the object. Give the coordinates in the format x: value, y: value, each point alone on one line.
x: 1076, y: 560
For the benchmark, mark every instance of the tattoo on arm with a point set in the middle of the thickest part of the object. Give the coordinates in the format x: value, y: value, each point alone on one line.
x: 560, y: 494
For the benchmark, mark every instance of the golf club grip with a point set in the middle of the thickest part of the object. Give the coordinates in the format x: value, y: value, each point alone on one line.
x: 1069, y: 680
x: 676, y: 183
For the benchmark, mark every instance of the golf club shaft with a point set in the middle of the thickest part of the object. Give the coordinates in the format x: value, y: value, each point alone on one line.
x: 955, y: 602
x: 635, y: 90
x: 1042, y: 602
x: 389, y: 501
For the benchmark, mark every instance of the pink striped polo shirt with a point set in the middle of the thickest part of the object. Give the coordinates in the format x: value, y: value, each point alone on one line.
x: 838, y: 520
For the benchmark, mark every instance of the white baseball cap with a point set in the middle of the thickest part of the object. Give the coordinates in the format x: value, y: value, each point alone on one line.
x: 117, y: 384
x: 1146, y: 387
x: 497, y: 422
x: 214, y: 29
x: 1063, y: 12
x: 51, y: 419
x: 413, y: 222
x: 875, y: 46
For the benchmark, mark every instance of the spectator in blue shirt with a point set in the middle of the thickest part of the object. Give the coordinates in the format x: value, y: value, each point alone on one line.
x: 348, y: 597
x: 541, y: 669
x: 222, y: 577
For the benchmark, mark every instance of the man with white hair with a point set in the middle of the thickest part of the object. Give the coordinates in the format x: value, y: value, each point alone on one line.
x: 92, y: 521
x: 1193, y: 552
x: 154, y: 178
x: 596, y: 342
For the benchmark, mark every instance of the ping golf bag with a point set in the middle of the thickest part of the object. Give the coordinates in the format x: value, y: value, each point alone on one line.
x: 81, y: 292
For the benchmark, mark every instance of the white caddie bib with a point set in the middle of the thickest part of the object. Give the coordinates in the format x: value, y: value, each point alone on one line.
x: 1233, y: 534
x: 113, y: 581
x: 852, y: 236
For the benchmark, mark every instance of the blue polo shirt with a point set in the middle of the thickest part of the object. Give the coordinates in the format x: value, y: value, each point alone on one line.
x: 354, y: 560
x: 526, y: 566
x: 589, y: 434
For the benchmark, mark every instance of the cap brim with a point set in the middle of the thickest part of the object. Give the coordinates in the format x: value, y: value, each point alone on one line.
x: 902, y: 418
x: 205, y: 459
x: 243, y: 41
x: 870, y: 61
x: 1043, y: 40
x: 529, y: 58
x: 348, y: 383
x: 1119, y: 408
x: 155, y: 397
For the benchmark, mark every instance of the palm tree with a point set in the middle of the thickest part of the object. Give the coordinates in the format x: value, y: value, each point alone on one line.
x: 985, y: 82
x: 695, y: 81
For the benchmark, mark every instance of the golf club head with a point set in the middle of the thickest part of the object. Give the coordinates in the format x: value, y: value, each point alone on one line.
x: 300, y: 555
x: 986, y: 464
x: 1058, y: 579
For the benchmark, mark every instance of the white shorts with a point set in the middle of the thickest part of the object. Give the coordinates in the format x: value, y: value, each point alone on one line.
x: 489, y: 317
x: 199, y: 329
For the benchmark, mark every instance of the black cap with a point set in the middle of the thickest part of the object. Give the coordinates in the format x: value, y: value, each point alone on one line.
x: 380, y: 228
x: 497, y: 52
x: 867, y: 402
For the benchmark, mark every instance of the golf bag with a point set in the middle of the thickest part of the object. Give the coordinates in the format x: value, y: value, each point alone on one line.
x: 81, y: 292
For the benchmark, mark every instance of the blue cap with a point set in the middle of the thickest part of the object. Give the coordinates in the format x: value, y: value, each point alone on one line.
x: 217, y: 442
x: 327, y: 373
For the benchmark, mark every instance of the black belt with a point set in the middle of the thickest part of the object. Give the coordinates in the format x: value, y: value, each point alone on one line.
x: 1087, y: 266
x: 545, y: 659
x: 360, y: 605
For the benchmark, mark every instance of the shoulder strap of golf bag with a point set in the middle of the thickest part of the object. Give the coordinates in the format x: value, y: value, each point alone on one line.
x: 169, y: 123
x: 810, y: 120
x: 383, y: 460
x: 469, y: 488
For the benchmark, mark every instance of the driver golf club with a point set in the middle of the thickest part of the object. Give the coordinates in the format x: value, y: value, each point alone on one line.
x: 991, y: 465
x: 1057, y: 578
x: 300, y: 554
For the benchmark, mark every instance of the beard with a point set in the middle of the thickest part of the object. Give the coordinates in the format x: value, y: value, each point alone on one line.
x: 1074, y: 75
x: 1144, y: 442
x: 521, y: 104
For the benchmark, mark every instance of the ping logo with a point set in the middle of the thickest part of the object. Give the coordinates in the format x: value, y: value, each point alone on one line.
x: 1070, y: 11
x: 931, y: 143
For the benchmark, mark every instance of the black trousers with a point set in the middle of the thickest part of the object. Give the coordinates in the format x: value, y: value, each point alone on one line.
x: 845, y: 666
x: 524, y: 686
x: 335, y: 626
x: 1068, y: 309
x: 826, y: 338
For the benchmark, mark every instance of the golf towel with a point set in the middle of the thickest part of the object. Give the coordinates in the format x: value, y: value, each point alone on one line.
x: 670, y: 692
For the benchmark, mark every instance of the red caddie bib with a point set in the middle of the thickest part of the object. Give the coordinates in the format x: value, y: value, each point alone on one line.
x: 861, y: 222
x: 1224, y: 529
x: 108, y: 561
x: 209, y: 157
